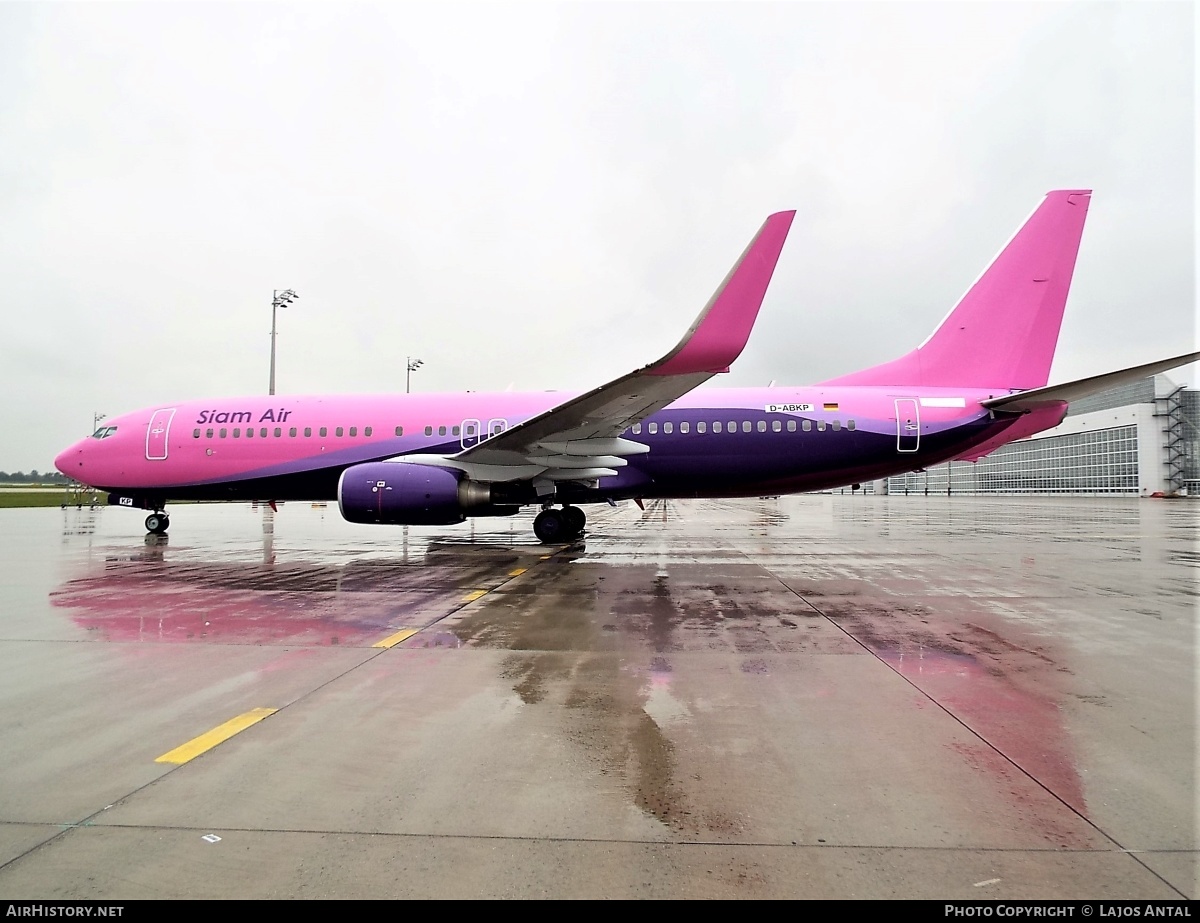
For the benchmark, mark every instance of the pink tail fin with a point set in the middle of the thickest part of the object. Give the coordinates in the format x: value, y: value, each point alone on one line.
x: 1003, y: 332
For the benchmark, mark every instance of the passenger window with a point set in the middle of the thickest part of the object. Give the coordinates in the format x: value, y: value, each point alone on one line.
x: 849, y: 424
x: 367, y: 431
x: 262, y: 433
x: 338, y: 431
x: 292, y: 431
x: 762, y: 426
x: 701, y: 426
x: 821, y: 426
x: 354, y: 431
x: 791, y: 426
x: 652, y: 428
x: 717, y: 426
x: 454, y: 431
x: 637, y: 428
x: 224, y: 432
x: 249, y: 432
x: 776, y: 426
x: 429, y: 431
x: 195, y: 434
x: 324, y: 431
x: 237, y: 432
x: 278, y: 431
x: 807, y: 425
x: 668, y: 427
x: 399, y: 430
x: 307, y: 431
x: 745, y: 426
x: 685, y: 427
x: 733, y: 426
x: 208, y: 434
x: 837, y: 425
x: 441, y: 431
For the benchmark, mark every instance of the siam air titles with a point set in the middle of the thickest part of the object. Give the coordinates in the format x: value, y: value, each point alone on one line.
x: 242, y: 416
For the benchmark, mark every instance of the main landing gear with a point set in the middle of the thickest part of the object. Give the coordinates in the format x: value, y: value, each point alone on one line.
x: 158, y: 523
x: 563, y: 525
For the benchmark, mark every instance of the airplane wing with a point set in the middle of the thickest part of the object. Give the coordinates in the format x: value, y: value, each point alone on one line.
x: 1074, y: 390
x: 579, y: 439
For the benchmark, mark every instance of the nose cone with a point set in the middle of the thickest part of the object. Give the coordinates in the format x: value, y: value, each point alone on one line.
x: 70, y: 461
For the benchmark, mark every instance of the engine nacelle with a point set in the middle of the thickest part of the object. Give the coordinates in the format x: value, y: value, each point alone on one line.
x: 394, y: 493
x: 400, y: 494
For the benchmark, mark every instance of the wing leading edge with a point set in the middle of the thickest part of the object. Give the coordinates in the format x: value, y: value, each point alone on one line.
x: 579, y: 439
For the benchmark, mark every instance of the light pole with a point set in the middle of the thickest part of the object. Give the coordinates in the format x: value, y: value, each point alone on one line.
x: 279, y: 299
x: 412, y: 366
x: 96, y: 418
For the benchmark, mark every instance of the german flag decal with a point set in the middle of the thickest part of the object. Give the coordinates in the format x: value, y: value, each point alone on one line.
x: 831, y: 406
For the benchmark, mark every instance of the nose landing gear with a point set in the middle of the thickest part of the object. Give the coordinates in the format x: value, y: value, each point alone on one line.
x: 158, y: 523
x: 563, y: 525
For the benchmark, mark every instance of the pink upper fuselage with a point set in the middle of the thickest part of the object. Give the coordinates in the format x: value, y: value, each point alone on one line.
x: 784, y: 439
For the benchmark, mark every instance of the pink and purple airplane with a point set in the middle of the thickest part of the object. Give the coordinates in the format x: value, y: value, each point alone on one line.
x: 977, y: 383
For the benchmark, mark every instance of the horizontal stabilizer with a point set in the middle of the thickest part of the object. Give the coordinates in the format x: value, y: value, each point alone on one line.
x: 1074, y: 390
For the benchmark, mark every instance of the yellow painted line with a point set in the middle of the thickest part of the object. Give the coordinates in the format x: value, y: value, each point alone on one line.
x: 471, y: 597
x: 546, y: 557
x: 392, y: 640
x: 218, y: 735
x: 517, y: 572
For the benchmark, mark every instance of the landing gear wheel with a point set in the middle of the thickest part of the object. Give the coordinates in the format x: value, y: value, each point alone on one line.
x: 551, y: 526
x: 158, y: 523
x: 575, y: 518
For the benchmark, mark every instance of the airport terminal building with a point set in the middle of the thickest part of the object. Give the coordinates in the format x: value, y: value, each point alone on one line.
x: 1137, y: 440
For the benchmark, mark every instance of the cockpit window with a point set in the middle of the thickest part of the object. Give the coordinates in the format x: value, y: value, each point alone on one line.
x: 104, y: 432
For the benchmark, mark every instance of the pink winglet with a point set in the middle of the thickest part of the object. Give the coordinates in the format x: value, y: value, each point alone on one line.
x: 719, y: 334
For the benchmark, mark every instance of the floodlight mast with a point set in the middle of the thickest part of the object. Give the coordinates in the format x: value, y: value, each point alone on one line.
x: 410, y: 366
x: 280, y: 298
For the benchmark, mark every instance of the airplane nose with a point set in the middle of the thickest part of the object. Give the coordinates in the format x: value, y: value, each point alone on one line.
x: 69, y: 460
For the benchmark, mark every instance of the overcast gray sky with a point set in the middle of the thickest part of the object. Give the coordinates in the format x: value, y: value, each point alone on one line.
x: 545, y: 195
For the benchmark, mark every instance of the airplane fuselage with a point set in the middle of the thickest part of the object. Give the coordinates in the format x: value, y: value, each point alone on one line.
x: 711, y: 442
x: 977, y: 382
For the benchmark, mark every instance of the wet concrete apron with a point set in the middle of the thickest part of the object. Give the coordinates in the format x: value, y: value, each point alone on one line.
x: 811, y: 696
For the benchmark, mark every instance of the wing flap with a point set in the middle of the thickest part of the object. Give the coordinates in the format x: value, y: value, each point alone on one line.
x: 620, y: 447
x: 578, y: 474
x: 579, y: 461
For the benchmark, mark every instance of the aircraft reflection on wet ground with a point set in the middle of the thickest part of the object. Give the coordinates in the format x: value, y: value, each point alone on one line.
x: 275, y: 603
x: 900, y: 680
